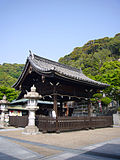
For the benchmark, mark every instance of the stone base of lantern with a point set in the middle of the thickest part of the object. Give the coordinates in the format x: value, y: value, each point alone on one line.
x: 3, y: 124
x: 31, y: 130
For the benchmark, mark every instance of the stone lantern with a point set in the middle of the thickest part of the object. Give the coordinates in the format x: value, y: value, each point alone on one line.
x: 3, y: 107
x: 32, y: 97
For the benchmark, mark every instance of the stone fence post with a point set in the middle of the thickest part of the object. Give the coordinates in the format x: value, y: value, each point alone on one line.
x: 116, y: 119
x: 3, y: 107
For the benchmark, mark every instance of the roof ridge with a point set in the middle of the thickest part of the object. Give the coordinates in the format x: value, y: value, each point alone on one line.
x: 55, y: 63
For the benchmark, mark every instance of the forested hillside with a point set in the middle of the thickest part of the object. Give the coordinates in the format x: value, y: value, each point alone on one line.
x: 100, y: 60
x: 93, y: 54
x: 9, y: 74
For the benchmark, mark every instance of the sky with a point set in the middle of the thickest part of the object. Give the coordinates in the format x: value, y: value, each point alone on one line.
x: 53, y: 28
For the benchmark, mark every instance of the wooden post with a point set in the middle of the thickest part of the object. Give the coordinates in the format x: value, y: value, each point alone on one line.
x: 89, y: 108
x: 55, y: 100
x: 89, y: 115
x: 55, y: 108
x: 89, y: 112
x: 55, y: 104
x: 61, y: 108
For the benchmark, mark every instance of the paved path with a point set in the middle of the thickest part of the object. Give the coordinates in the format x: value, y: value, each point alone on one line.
x: 11, y: 129
x: 12, y: 149
x: 106, y: 150
x: 40, y: 144
x: 109, y: 150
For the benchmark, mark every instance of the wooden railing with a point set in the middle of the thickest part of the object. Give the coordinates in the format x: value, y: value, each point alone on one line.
x: 101, y: 121
x: 46, y: 124
x: 18, y: 121
x: 49, y: 124
x: 72, y: 123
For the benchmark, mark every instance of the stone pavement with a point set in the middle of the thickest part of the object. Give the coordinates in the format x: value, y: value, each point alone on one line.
x: 14, y: 145
x: 12, y: 151
x: 103, y: 151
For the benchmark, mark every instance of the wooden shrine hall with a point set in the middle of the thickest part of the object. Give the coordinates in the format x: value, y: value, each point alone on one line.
x: 57, y: 83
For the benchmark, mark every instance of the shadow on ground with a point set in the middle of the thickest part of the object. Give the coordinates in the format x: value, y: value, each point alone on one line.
x: 105, y: 151
x: 4, y: 156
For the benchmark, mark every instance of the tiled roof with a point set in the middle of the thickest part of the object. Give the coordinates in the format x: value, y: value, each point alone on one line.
x: 15, y: 102
x: 46, y: 65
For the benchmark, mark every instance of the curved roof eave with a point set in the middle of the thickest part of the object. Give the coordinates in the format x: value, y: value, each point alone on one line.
x: 31, y: 61
x: 17, y: 83
x: 27, y: 64
x: 101, y: 85
x: 49, y: 71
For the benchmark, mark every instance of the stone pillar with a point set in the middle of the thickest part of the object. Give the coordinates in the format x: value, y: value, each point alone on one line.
x: 2, y: 116
x: 32, y: 97
x: 116, y: 119
x: 31, y: 118
x: 3, y: 106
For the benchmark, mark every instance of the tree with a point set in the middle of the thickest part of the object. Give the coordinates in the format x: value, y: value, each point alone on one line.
x: 110, y: 73
x: 105, y: 101
x: 98, y: 99
x: 10, y: 93
x: 9, y: 73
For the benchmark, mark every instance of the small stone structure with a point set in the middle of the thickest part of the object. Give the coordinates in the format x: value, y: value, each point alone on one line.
x: 3, y: 108
x: 116, y: 119
x: 32, y: 97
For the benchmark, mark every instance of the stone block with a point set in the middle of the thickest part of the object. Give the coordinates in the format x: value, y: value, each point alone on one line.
x: 31, y: 130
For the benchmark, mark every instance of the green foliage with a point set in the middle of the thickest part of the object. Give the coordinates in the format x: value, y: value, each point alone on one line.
x: 9, y: 74
x: 93, y: 54
x: 99, y: 60
x: 6, y: 79
x: 93, y: 100
x: 110, y: 73
x: 106, y: 100
x: 10, y: 93
x: 118, y: 109
x: 98, y: 96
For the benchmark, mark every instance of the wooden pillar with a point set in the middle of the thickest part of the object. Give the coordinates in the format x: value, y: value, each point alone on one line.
x: 55, y: 104
x: 55, y: 108
x: 89, y: 115
x: 55, y: 100
x: 61, y: 108
x: 89, y: 108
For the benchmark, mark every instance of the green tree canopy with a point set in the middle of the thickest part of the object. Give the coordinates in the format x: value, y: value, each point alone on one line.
x: 99, y: 60
x: 10, y: 93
